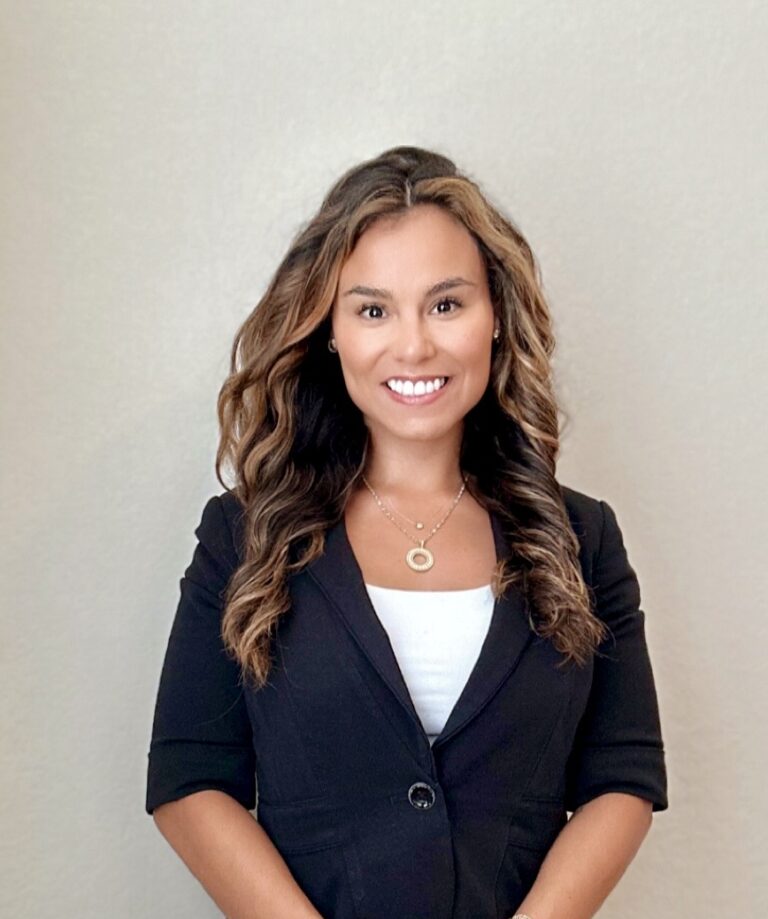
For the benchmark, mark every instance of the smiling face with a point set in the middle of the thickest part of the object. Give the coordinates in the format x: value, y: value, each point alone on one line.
x: 413, y: 307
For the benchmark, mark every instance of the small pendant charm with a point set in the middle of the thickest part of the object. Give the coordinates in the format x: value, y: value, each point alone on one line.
x: 419, y: 526
x: 420, y: 558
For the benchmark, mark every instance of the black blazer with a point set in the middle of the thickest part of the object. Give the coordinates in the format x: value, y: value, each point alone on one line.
x: 372, y: 822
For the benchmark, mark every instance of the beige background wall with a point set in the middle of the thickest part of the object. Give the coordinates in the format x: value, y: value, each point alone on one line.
x: 156, y: 159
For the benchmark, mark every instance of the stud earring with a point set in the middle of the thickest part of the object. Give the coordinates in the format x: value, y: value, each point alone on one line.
x: 332, y: 345
x: 496, y: 334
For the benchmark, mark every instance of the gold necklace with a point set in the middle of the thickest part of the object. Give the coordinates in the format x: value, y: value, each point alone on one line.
x: 413, y: 556
x: 417, y: 524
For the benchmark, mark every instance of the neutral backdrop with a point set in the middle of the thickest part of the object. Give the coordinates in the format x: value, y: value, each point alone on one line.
x: 157, y: 159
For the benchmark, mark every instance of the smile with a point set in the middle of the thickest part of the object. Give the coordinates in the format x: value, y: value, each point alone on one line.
x: 416, y: 392
x: 418, y: 388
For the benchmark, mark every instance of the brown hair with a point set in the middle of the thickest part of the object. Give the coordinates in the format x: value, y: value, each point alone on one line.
x: 297, y: 444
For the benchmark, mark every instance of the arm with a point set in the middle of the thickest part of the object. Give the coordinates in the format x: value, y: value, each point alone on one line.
x: 232, y: 857
x: 201, y: 781
x: 615, y: 776
x: 610, y: 828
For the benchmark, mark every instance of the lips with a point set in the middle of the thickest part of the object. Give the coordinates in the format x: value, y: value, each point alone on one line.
x: 415, y: 386
x: 402, y: 395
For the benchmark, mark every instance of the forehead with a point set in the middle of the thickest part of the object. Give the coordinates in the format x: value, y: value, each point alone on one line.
x: 420, y: 243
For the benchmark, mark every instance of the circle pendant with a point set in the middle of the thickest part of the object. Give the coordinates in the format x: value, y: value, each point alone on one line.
x: 413, y: 557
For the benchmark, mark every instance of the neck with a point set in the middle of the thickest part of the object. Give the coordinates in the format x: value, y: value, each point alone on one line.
x: 414, y: 470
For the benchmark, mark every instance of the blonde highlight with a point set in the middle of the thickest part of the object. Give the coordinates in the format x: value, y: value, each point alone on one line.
x: 297, y: 446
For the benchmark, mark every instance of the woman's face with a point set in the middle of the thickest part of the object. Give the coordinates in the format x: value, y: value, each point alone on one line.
x: 412, y: 307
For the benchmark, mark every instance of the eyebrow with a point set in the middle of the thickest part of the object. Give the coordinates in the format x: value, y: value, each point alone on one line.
x: 440, y: 287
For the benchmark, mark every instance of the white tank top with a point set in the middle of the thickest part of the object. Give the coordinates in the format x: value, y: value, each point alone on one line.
x: 436, y: 636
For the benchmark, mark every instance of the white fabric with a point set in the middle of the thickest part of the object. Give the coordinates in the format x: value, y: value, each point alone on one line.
x: 436, y: 636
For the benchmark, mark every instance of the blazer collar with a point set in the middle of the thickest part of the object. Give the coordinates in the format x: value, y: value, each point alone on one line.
x: 339, y: 574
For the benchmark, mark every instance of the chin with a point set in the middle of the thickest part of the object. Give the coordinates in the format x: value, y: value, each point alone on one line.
x: 418, y: 432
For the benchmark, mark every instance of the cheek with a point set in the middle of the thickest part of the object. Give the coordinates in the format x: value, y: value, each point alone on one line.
x: 477, y: 358
x: 357, y: 371
x: 359, y: 380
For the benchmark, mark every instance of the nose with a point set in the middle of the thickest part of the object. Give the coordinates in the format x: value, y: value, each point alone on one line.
x: 413, y: 341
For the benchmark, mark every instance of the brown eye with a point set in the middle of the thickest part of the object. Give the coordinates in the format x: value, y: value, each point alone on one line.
x: 369, y: 306
x: 451, y: 301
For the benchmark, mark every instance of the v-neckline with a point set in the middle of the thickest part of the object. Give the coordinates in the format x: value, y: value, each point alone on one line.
x: 339, y: 575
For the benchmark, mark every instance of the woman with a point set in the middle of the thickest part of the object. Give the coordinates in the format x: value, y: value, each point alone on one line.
x: 425, y: 648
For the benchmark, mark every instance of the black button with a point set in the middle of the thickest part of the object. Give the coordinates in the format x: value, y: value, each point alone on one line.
x: 421, y: 795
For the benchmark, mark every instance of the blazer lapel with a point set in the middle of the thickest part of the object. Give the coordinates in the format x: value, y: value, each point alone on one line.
x: 340, y: 577
x: 508, y: 635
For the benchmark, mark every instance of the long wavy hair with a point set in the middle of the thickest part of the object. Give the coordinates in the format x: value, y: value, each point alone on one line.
x: 297, y: 444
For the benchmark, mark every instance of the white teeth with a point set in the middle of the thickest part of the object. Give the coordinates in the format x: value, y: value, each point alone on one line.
x: 420, y: 388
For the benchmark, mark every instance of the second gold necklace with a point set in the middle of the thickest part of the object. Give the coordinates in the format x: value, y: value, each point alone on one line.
x: 420, y: 558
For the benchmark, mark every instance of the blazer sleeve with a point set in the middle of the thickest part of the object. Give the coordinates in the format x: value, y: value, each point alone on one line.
x: 618, y: 744
x: 201, y: 734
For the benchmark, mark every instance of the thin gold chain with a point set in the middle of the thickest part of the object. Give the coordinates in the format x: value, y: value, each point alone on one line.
x: 435, y: 528
x: 417, y: 524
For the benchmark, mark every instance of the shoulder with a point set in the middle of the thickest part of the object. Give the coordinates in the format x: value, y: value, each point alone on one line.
x: 233, y: 515
x: 587, y: 518
x: 220, y: 529
x: 603, y: 553
x: 230, y: 505
x: 585, y: 513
